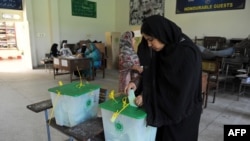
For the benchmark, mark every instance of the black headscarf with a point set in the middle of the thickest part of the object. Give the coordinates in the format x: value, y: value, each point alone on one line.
x: 144, y: 53
x: 172, y: 82
x: 53, y: 50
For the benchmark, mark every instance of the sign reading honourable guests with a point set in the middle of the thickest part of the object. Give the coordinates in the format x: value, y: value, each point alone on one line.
x: 191, y: 6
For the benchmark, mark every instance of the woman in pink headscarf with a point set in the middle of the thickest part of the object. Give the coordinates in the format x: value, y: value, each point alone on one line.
x: 129, y: 64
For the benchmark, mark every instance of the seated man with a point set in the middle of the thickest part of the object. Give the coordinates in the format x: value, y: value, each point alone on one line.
x: 209, y: 54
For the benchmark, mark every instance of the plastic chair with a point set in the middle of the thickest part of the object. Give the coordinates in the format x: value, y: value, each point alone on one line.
x: 233, y: 68
x: 243, y: 84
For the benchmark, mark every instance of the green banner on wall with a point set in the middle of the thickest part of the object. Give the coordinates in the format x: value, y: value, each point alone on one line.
x: 83, y: 8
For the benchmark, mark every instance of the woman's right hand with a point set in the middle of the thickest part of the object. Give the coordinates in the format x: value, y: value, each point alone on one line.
x: 131, y: 85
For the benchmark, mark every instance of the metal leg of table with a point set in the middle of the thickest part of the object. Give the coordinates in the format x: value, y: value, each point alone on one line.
x: 54, y: 73
x: 242, y: 90
x: 48, y: 129
x: 238, y: 97
x: 47, y: 125
x: 70, y: 76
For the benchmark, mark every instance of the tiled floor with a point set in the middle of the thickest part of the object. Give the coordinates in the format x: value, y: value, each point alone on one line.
x: 23, y: 87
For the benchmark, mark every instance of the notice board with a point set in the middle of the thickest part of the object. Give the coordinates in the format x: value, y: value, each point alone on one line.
x: 83, y: 8
x: 11, y: 4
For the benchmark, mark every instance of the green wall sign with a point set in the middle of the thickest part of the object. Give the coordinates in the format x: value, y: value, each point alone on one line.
x: 83, y: 8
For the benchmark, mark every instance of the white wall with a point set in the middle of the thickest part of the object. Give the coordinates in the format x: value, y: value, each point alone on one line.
x: 228, y: 23
x: 122, y: 16
x: 41, y: 28
x: 75, y: 28
x: 51, y: 21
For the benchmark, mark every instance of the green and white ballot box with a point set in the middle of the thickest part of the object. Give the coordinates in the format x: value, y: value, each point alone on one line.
x: 123, y: 122
x: 74, y: 103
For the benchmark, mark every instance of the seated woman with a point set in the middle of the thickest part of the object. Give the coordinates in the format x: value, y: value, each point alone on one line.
x: 54, y: 52
x: 65, y: 52
x: 93, y: 52
x: 80, y: 50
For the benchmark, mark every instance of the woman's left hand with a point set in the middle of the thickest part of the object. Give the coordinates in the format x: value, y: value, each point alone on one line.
x: 131, y: 85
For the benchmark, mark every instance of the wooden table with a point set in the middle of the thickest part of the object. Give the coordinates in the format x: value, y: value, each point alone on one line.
x: 70, y: 65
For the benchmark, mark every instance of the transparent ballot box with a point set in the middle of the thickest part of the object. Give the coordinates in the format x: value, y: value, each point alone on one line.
x: 123, y: 122
x: 74, y: 103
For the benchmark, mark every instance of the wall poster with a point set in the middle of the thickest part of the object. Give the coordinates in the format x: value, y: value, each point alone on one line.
x: 140, y: 9
x: 191, y: 6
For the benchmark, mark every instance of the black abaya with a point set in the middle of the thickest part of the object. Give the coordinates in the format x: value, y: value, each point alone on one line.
x: 172, y: 82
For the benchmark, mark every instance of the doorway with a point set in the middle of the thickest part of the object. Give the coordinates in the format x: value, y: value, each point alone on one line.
x: 14, y: 46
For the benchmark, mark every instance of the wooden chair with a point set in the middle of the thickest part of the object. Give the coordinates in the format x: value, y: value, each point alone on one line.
x: 204, y: 86
x: 103, y: 66
x: 47, y: 62
x: 211, y: 67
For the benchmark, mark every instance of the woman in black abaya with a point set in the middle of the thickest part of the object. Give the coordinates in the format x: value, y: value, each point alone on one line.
x: 171, y: 91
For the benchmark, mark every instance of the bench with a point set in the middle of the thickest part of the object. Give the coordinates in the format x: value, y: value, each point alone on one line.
x: 91, y: 129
